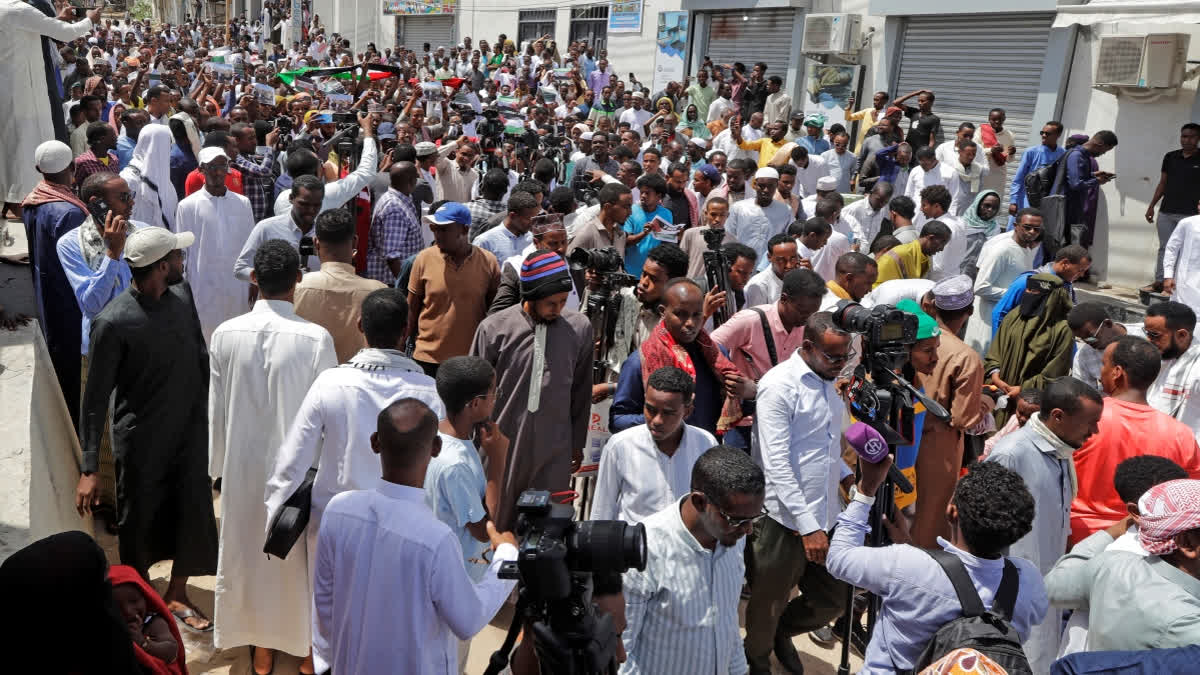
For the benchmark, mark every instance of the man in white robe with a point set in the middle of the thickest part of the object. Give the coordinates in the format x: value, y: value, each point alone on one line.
x: 222, y: 221
x: 1041, y: 451
x: 332, y: 430
x: 1181, y: 263
x: 262, y: 364
x: 1001, y: 260
x: 27, y: 121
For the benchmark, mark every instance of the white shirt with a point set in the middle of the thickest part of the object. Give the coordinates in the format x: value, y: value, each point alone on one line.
x: 275, y: 227
x: 754, y: 225
x: 342, y: 190
x: 1181, y: 262
x: 681, y: 612
x: 502, y: 243
x: 807, y: 177
x: 869, y: 219
x: 221, y: 226
x: 948, y: 262
x: 637, y: 120
x: 919, y: 179
x: 841, y: 167
x: 717, y: 108
x: 1001, y: 261
x: 636, y: 479
x: 797, y: 441
x: 1176, y: 390
x: 763, y: 288
x: 824, y: 259
x: 262, y: 364
x: 891, y: 292
x: 390, y: 590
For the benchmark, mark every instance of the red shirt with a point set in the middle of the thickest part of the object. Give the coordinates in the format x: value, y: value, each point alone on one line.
x: 1126, y: 430
x: 195, y: 181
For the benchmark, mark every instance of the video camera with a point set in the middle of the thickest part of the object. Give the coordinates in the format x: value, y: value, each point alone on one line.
x: 492, y: 126
x: 345, y: 120
x: 885, y: 329
x: 556, y: 559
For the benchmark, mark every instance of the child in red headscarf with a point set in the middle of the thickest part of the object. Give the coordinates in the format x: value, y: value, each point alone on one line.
x: 157, y: 643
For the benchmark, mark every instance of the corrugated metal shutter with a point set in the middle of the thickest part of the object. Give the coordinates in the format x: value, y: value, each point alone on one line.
x: 974, y: 63
x: 750, y: 36
x: 417, y: 30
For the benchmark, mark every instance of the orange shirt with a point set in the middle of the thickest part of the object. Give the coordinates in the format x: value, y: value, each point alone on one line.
x: 1126, y: 430
x: 195, y: 181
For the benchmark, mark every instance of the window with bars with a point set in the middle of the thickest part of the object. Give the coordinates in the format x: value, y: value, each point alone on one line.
x: 590, y: 24
x: 534, y: 23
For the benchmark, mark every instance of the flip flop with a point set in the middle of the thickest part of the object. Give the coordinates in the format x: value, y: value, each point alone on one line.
x: 181, y: 616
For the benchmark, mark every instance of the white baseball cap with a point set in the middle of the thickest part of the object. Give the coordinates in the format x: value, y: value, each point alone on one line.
x: 148, y: 245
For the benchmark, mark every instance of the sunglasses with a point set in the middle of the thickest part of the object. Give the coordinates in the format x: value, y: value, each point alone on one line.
x: 1092, y: 339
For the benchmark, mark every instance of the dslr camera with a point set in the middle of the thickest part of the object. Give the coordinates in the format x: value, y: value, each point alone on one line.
x: 884, y: 328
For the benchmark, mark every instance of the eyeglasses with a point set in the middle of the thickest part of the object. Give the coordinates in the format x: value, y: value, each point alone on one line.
x: 737, y: 522
x: 125, y: 196
x: 833, y: 359
x: 1153, y: 334
x: 1092, y: 339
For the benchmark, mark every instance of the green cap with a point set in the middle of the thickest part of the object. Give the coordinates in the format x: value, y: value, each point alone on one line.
x: 926, y: 325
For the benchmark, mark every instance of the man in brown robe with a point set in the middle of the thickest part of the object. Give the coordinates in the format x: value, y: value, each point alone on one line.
x: 957, y: 384
x: 547, y: 426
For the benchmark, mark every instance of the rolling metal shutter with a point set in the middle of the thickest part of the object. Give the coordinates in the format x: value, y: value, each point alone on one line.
x: 750, y: 36
x: 438, y: 31
x: 974, y: 63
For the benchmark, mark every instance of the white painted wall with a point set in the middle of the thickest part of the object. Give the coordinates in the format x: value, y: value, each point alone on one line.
x: 1146, y: 131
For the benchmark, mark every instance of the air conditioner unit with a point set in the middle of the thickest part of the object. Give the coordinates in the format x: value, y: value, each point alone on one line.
x: 832, y: 33
x: 1142, y: 61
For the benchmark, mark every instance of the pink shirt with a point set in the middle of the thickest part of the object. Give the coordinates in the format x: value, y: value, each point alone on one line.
x: 743, y: 335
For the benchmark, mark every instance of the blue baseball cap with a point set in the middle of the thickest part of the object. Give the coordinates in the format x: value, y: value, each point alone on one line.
x: 710, y: 172
x: 452, y: 212
x: 386, y: 131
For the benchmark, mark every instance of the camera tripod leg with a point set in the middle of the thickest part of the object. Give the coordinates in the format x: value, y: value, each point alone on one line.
x: 848, y: 621
x: 499, y: 658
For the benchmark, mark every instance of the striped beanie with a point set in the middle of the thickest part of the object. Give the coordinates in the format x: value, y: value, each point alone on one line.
x: 544, y: 273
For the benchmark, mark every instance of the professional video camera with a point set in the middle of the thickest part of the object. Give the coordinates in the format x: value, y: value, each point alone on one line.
x: 345, y: 120
x: 716, y: 271
x: 556, y: 560
x: 608, y: 271
x: 492, y: 126
x: 885, y: 401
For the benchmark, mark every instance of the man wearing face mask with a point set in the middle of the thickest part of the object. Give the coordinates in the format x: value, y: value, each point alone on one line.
x: 545, y: 417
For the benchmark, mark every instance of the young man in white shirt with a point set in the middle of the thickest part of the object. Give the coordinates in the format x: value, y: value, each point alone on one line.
x: 764, y: 288
x: 646, y: 468
x: 1171, y: 326
x: 682, y: 609
x: 797, y: 439
x: 377, y: 621
x: 754, y: 221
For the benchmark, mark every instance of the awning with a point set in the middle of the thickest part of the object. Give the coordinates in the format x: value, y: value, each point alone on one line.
x: 1162, y: 12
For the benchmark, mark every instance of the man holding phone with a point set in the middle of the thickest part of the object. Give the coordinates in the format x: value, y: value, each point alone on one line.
x: 1083, y: 187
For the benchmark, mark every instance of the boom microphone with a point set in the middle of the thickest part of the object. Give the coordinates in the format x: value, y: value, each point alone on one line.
x: 870, y: 447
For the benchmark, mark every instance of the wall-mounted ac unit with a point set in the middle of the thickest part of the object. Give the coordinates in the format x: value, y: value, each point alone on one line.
x: 832, y: 33
x: 1142, y: 61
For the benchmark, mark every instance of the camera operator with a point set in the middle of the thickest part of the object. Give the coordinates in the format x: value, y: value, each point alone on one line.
x: 798, y: 428
x: 695, y: 543
x: 337, y: 193
x: 598, y: 160
x: 367, y: 535
x: 604, y: 229
x: 991, y: 508
x: 754, y: 349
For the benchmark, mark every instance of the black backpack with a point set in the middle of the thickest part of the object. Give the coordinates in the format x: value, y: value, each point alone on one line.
x: 987, y: 632
x: 1045, y: 180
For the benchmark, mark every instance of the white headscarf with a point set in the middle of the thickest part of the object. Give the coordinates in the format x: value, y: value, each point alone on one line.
x: 151, y: 163
x: 193, y: 133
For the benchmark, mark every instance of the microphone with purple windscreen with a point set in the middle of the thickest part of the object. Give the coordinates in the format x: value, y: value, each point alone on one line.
x: 870, y: 446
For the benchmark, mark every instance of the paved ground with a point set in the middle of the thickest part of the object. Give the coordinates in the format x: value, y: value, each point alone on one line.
x: 203, y: 659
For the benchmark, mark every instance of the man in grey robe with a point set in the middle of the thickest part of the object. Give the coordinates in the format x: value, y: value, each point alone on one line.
x: 1041, y: 452
x: 542, y: 353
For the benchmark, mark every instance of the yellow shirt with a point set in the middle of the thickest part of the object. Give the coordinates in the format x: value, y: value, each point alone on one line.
x: 868, y: 117
x: 766, y: 148
x: 906, y: 261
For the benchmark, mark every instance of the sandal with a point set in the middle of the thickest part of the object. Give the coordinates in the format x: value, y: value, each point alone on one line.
x: 182, y: 615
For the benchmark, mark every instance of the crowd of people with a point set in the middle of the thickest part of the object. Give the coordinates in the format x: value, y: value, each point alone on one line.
x: 297, y: 266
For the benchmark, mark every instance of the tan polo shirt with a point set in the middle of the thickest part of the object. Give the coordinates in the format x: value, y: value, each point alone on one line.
x: 332, y: 298
x: 456, y: 299
x: 592, y: 234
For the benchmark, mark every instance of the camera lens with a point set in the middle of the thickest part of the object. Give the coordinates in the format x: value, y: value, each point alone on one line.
x: 608, y: 546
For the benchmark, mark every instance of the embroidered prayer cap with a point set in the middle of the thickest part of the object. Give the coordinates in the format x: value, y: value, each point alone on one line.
x: 953, y: 293
x: 926, y: 325
x: 148, y: 245
x: 52, y: 157
x: 543, y: 274
x: 425, y: 149
x: 826, y: 184
x: 452, y: 212
x: 1168, y: 509
x: 766, y: 173
x: 638, y: 95
x: 209, y: 154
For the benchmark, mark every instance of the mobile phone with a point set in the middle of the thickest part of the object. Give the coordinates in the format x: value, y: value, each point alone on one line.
x: 99, y: 210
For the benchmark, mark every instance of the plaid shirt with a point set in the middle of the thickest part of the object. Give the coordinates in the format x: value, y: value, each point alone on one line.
x: 482, y: 211
x: 258, y: 180
x: 395, y: 234
x: 87, y: 164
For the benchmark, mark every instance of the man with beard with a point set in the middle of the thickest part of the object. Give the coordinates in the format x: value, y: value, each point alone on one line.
x: 148, y: 355
x: 754, y: 222
x: 545, y: 417
x: 1001, y: 261
x: 1042, y: 452
x: 1171, y: 327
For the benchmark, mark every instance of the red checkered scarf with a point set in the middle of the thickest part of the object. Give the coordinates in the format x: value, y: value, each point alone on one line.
x: 661, y: 350
x: 1168, y: 509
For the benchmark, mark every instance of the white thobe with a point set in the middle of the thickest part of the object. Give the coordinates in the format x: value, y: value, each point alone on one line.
x: 1176, y: 390
x: 636, y: 479
x: 1001, y: 261
x: 841, y: 166
x: 919, y: 179
x: 332, y: 431
x: 824, y: 259
x: 807, y: 177
x: 26, y: 122
x: 763, y: 288
x: 1181, y: 262
x: 221, y: 225
x: 869, y: 219
x: 754, y: 225
x: 262, y: 364
x: 948, y: 262
x: 891, y: 292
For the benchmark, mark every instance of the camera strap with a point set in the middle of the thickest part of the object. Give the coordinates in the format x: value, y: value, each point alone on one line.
x: 770, y: 339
